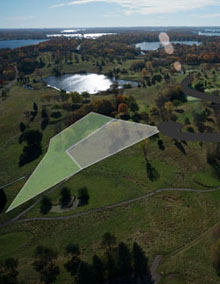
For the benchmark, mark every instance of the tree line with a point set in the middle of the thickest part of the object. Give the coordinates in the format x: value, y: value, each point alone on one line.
x: 119, y: 264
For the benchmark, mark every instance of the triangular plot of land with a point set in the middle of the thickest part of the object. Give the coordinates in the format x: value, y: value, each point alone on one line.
x: 90, y: 140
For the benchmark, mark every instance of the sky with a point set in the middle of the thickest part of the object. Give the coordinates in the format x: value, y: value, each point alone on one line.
x: 108, y: 13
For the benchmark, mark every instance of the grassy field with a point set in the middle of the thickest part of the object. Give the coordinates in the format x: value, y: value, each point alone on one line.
x: 175, y: 225
x: 163, y: 224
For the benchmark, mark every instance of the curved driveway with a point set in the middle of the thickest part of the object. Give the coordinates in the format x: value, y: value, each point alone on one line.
x: 173, y: 129
x: 196, y: 94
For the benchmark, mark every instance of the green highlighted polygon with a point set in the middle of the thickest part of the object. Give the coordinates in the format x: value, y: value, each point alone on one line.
x: 108, y: 140
x: 56, y: 165
x: 90, y: 140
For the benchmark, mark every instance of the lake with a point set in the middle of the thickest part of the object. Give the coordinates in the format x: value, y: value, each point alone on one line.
x: 91, y: 83
x: 80, y: 35
x: 147, y: 46
x: 20, y: 42
x: 209, y: 33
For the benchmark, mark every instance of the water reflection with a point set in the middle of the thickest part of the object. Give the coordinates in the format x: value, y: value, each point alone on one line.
x: 91, y: 83
x: 147, y: 46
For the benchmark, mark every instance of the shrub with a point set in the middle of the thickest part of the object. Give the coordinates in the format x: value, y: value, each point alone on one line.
x: 56, y: 114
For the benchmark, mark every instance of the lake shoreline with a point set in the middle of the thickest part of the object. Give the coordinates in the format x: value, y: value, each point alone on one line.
x: 91, y: 83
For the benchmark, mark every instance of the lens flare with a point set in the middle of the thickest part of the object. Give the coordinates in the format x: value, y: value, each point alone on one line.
x: 164, y: 39
x: 169, y: 49
x: 178, y: 66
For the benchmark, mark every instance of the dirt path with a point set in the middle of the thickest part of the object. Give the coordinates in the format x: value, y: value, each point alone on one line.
x: 158, y: 258
x: 11, y: 84
x: 8, y: 184
x: 155, y: 275
x: 119, y: 204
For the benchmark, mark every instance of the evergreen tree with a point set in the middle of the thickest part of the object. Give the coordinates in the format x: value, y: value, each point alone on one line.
x: 111, y: 268
x: 22, y: 127
x: 46, y: 205
x: 44, y: 123
x: 97, y: 270
x: 33, y: 149
x: 83, y: 196
x: 65, y: 197
x: 34, y: 112
x: 141, y: 269
x: 124, y: 260
x: 108, y: 240
x: 44, y: 113
x: 73, y: 249
x: 4, y: 94
x: 35, y: 107
x: 161, y: 145
x: 84, y: 274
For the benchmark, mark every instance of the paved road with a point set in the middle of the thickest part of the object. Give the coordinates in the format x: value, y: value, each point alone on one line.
x: 173, y: 129
x: 196, y: 94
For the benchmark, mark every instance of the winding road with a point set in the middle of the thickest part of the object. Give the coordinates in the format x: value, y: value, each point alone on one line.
x: 173, y: 129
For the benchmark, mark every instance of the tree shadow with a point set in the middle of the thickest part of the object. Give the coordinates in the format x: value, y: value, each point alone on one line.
x: 152, y: 173
x: 180, y: 147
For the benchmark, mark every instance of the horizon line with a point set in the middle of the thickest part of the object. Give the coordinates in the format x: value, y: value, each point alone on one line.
x: 109, y: 27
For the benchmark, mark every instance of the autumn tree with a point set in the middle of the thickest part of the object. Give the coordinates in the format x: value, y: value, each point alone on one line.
x: 123, y: 108
x: 149, y: 66
x: 144, y: 72
x: 169, y: 108
x: 103, y: 106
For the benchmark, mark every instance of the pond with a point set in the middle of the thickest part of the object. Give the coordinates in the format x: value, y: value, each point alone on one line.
x: 19, y: 43
x: 147, y: 46
x: 91, y: 83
